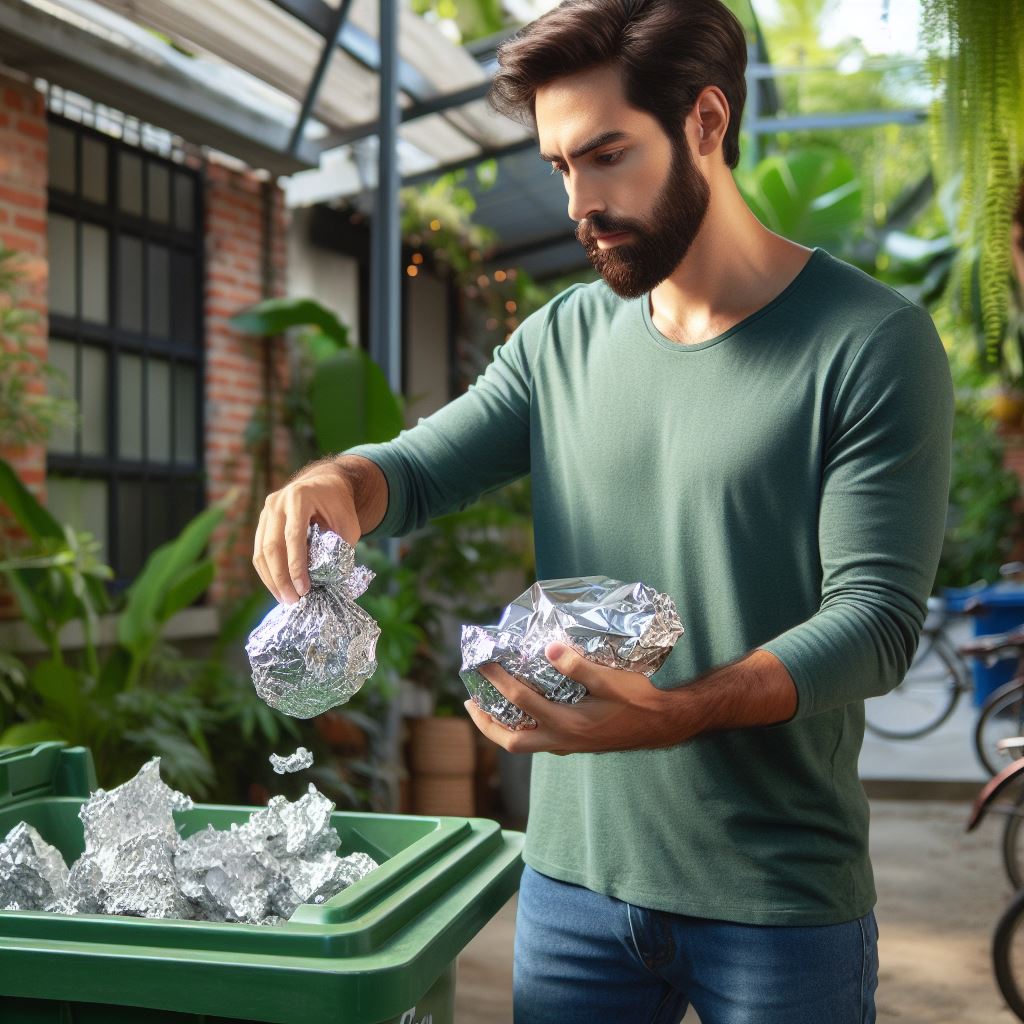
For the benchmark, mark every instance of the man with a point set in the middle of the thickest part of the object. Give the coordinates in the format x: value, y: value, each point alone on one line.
x: 760, y: 430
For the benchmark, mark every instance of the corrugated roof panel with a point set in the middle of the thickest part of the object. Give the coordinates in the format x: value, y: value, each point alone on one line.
x: 434, y: 135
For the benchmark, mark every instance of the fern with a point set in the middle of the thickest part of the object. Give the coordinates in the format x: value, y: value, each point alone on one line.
x: 976, y: 49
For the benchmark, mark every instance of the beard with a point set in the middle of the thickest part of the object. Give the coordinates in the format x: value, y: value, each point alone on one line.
x: 633, y: 269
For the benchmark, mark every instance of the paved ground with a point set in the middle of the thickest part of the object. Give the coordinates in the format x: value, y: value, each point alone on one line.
x: 940, y: 893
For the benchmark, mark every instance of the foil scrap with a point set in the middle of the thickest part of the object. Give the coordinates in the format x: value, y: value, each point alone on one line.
x: 33, y: 875
x: 314, y: 654
x: 127, y: 866
x: 282, y: 857
x: 224, y: 877
x: 615, y: 624
x: 297, y: 762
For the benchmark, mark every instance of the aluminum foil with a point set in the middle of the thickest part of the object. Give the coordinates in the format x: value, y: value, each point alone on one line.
x: 135, y: 863
x: 618, y: 625
x: 314, y: 654
x: 282, y: 857
x: 33, y: 875
x: 130, y: 839
x: 297, y: 762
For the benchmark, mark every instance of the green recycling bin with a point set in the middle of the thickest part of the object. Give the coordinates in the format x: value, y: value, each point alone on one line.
x: 382, y: 950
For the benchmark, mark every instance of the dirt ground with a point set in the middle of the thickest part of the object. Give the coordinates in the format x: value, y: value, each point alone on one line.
x: 940, y: 892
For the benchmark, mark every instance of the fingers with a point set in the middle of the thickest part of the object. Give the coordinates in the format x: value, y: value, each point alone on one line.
x: 523, y: 696
x: 280, y: 549
x: 259, y: 562
x: 571, y: 663
x: 518, y: 741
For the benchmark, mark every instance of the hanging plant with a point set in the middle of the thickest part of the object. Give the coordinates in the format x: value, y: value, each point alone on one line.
x: 976, y: 47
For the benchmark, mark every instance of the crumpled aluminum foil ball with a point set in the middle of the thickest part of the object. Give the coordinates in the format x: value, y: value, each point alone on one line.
x: 314, y: 654
x: 615, y: 624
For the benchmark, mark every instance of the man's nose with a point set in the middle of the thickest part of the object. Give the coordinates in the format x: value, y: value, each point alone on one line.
x: 583, y: 200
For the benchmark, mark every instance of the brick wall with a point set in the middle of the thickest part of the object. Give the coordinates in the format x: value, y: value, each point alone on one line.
x: 23, y: 136
x: 23, y: 228
x: 234, y: 385
x: 235, y: 364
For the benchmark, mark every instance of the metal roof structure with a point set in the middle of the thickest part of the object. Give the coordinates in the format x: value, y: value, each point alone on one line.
x: 305, y: 88
x: 241, y: 76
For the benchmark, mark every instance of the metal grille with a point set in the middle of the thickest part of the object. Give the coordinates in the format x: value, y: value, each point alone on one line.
x: 126, y: 328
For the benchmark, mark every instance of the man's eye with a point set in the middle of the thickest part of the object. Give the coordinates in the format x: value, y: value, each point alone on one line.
x: 610, y: 158
x: 555, y: 169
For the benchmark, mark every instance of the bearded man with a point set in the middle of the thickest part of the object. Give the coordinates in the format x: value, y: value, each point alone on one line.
x: 758, y: 429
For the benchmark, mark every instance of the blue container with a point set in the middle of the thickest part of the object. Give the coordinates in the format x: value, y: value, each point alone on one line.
x: 1004, y: 610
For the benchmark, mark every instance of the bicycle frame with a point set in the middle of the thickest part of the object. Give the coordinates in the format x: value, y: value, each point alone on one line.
x: 992, y: 790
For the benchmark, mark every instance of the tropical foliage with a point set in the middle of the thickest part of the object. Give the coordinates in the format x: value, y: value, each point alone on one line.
x: 977, y: 49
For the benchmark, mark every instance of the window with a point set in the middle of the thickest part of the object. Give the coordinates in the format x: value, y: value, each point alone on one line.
x: 125, y: 253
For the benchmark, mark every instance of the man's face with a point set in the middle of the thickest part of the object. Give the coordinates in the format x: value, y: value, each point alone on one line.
x: 637, y: 196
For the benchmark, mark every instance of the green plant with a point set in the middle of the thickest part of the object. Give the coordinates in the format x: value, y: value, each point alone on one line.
x: 812, y: 195
x: 977, y: 48
x: 340, y: 397
x: 104, y: 697
x: 26, y: 416
x: 983, y: 493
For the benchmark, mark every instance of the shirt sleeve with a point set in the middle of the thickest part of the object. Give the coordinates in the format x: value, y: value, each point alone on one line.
x: 476, y: 443
x: 884, y: 496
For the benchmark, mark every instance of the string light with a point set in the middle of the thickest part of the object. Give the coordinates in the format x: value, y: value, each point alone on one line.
x: 500, y: 275
x: 483, y: 280
x: 411, y: 270
x: 435, y: 225
x: 511, y: 306
x: 417, y: 258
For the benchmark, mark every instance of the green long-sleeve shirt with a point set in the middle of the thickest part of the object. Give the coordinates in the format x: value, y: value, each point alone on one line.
x: 786, y: 483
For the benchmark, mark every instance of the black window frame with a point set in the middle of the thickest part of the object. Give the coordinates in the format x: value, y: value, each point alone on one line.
x: 117, y: 472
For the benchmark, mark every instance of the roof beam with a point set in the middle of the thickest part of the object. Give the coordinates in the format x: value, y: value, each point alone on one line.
x: 359, y: 45
x: 458, y: 165
x: 815, y: 122
x: 437, y: 105
x: 326, y: 52
x: 49, y: 47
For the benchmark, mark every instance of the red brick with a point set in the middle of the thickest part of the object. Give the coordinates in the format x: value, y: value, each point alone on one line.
x: 27, y: 223
x: 31, y: 244
x: 23, y: 197
x: 32, y: 128
x: 14, y: 99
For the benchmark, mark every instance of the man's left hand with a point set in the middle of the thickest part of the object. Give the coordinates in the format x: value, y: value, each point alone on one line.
x: 624, y: 710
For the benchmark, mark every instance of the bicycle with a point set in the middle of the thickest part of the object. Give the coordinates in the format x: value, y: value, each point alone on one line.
x: 1002, y: 716
x: 939, y: 673
x: 930, y: 691
x: 1007, y: 953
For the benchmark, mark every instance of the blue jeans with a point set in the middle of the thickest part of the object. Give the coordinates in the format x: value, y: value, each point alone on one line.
x: 581, y: 956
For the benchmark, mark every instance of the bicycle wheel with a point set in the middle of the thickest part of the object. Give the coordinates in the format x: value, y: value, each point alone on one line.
x: 1013, y: 844
x: 1001, y: 717
x: 1008, y: 954
x: 924, y: 699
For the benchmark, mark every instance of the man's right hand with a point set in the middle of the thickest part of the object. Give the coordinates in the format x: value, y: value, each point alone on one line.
x: 325, y: 494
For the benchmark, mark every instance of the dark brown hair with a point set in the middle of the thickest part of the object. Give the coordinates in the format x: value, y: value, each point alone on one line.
x: 668, y: 50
